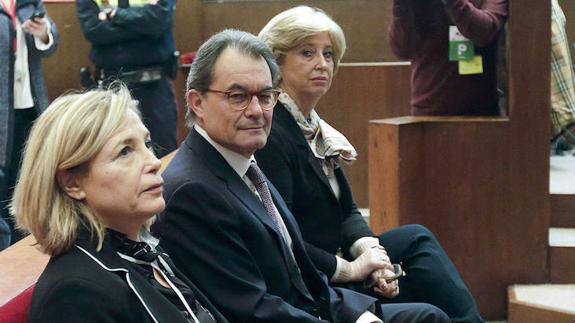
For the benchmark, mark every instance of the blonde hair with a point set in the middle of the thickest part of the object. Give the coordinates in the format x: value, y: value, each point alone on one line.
x: 289, y: 28
x: 66, y: 137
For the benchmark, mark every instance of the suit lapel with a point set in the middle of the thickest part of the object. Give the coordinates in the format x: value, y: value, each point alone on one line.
x: 216, y: 163
x: 316, y: 166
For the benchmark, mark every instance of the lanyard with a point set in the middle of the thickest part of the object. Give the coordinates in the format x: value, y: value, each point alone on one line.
x: 10, y: 8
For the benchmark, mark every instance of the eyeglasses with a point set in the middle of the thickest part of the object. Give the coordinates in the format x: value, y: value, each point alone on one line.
x: 239, y: 99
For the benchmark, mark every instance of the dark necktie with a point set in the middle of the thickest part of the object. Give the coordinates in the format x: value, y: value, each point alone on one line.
x: 257, y: 177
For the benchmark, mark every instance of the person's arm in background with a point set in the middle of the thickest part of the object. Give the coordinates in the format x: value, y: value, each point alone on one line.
x: 44, y: 31
x: 403, y: 36
x: 124, y: 23
x: 480, y: 25
x: 153, y: 19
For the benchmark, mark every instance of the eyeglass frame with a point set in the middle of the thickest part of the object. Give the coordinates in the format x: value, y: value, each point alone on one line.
x: 251, y: 94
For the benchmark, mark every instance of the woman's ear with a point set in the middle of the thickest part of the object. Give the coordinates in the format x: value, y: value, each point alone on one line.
x: 69, y: 182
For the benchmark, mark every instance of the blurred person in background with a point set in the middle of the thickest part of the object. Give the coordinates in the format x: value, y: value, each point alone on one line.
x: 27, y: 35
x: 562, y: 85
x: 452, y: 46
x: 132, y: 40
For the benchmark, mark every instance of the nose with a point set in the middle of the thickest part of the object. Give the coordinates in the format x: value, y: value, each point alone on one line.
x: 152, y: 162
x: 254, y: 108
x: 321, y: 62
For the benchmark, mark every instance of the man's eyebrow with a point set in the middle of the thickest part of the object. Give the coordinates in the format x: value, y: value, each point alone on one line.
x: 236, y: 86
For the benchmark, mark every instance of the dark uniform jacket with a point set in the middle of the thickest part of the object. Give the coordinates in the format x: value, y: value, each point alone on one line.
x: 138, y: 35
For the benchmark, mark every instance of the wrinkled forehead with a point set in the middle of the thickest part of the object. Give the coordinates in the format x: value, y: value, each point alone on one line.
x: 236, y: 69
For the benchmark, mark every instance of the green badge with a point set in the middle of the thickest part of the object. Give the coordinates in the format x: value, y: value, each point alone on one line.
x: 460, y: 48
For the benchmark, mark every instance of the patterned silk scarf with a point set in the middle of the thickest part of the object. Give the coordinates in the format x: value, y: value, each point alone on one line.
x: 326, y: 143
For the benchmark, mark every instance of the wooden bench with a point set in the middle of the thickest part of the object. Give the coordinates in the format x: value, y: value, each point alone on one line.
x: 20, y: 266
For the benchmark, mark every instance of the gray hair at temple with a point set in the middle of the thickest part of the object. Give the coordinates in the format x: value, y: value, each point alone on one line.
x: 201, y: 72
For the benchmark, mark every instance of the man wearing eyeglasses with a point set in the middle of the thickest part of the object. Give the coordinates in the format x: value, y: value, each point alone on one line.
x: 225, y: 225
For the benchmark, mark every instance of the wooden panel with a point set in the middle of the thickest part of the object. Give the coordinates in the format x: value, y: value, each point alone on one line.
x: 481, y: 185
x: 365, y: 22
x: 562, y: 265
x: 21, y: 266
x: 562, y: 210
x: 62, y: 70
x: 361, y: 92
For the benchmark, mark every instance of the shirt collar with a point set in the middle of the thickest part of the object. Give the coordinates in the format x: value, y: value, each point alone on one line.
x: 238, y: 162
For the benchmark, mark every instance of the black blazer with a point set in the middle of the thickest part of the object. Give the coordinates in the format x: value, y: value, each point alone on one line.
x: 84, y: 285
x: 327, y: 224
x: 219, y: 234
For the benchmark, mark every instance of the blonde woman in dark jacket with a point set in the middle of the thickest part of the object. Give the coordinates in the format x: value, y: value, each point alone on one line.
x: 303, y: 158
x: 88, y: 191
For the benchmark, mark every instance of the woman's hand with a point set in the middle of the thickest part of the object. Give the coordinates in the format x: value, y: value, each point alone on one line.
x: 38, y: 28
x: 369, y: 261
x: 382, y: 287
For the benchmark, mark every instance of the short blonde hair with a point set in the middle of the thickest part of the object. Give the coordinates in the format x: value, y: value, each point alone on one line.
x: 289, y: 28
x: 66, y: 137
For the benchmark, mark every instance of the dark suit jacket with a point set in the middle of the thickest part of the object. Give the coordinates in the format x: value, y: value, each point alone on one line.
x: 219, y: 234
x: 84, y: 285
x: 327, y: 224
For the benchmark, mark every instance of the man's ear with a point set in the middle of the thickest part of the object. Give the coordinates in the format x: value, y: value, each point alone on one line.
x: 195, y: 102
x: 70, y: 184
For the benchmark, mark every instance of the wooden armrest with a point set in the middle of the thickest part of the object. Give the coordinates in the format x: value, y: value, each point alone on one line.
x: 438, y: 119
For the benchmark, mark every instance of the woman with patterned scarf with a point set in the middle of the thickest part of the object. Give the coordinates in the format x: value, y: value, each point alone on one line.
x: 303, y: 159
